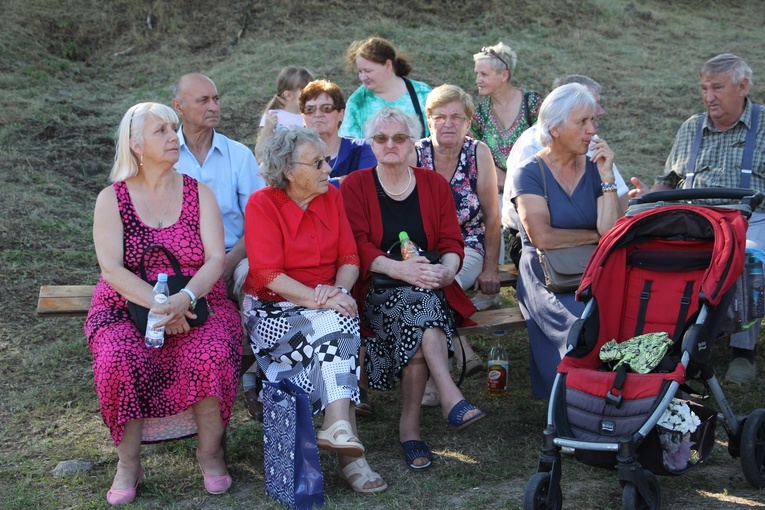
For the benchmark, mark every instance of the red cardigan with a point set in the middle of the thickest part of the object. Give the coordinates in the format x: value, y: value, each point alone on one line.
x: 439, y: 219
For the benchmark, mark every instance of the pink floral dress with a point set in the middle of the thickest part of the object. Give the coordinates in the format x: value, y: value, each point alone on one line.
x: 133, y: 381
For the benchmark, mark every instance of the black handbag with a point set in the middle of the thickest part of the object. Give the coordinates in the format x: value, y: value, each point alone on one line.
x: 175, y: 282
x: 383, y: 281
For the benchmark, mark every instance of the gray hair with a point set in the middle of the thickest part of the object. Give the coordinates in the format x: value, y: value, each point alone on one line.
x: 504, y: 52
x: 131, y: 130
x: 413, y: 126
x: 277, y: 160
x: 557, y: 107
x: 577, y: 78
x: 730, y: 64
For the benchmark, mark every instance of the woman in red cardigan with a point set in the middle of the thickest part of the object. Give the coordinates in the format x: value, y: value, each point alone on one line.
x: 407, y: 328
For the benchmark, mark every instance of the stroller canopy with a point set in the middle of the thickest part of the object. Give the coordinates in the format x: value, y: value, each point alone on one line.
x: 724, y: 230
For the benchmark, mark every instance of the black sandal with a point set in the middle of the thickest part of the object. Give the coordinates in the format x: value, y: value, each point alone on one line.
x: 416, y: 449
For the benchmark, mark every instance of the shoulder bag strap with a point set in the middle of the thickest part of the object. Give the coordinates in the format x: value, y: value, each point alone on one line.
x: 690, y: 167
x: 544, y: 178
x: 751, y: 138
x: 170, y: 257
x: 415, y: 103
x: 526, y: 105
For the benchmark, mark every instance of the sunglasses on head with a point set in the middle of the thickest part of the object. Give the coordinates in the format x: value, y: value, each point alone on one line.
x: 310, y: 109
x: 492, y: 53
x: 398, y: 138
x: 316, y: 164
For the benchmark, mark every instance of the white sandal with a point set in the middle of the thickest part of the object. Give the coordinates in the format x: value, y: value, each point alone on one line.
x: 360, y: 467
x: 345, y: 443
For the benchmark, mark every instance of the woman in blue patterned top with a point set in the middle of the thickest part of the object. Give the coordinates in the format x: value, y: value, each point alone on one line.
x: 323, y: 108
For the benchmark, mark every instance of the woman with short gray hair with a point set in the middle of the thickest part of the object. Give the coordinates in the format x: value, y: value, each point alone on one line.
x: 277, y: 157
x: 301, y: 320
x: 564, y: 199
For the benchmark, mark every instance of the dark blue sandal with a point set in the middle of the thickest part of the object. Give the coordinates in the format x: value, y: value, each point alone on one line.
x: 456, y: 417
x: 416, y: 449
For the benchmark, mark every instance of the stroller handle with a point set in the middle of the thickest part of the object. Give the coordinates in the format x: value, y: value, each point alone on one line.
x: 747, y: 197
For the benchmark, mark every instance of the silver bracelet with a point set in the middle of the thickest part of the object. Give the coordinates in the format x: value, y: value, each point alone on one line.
x: 608, y: 187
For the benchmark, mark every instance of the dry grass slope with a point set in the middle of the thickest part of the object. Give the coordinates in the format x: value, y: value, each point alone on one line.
x: 70, y: 68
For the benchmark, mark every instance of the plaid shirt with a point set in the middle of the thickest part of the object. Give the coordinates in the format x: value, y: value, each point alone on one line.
x: 718, y: 164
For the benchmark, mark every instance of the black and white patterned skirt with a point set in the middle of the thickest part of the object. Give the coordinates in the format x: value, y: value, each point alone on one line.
x: 399, y: 316
x: 316, y: 349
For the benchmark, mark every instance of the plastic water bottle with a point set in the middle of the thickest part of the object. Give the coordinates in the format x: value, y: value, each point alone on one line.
x: 155, y: 337
x: 756, y: 284
x: 408, y: 247
x: 497, y: 368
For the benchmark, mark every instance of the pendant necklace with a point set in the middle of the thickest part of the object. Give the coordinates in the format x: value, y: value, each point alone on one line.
x: 152, y: 211
x: 379, y: 177
x: 569, y: 190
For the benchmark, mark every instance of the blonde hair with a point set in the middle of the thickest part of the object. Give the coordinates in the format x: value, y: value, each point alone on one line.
x: 501, y: 56
x: 445, y: 94
x: 131, y: 129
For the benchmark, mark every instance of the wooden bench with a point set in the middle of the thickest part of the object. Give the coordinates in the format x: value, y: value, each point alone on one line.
x: 74, y: 301
x: 64, y: 300
x: 508, y: 275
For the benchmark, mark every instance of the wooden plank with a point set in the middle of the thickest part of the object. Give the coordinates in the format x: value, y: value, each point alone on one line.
x: 508, y: 275
x: 64, y: 300
x: 494, y: 320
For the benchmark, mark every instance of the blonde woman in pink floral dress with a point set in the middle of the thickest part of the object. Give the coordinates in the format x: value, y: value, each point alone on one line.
x: 188, y: 386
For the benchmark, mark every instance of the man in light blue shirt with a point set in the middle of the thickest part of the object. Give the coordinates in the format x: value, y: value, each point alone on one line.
x: 228, y: 167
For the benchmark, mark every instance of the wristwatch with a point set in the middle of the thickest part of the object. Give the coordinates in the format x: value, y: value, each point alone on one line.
x: 343, y: 290
x: 193, y: 303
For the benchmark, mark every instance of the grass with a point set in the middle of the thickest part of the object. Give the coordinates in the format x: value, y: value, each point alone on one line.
x: 70, y: 68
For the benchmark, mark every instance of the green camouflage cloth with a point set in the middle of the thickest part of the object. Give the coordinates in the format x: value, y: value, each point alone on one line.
x: 641, y: 353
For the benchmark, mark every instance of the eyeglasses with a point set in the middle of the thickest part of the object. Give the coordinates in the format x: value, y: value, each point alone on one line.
x: 398, y: 138
x: 492, y: 53
x: 440, y: 119
x: 316, y: 164
x: 325, y: 108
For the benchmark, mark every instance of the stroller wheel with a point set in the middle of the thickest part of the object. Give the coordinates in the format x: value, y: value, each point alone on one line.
x: 753, y: 449
x: 632, y: 500
x: 537, y: 495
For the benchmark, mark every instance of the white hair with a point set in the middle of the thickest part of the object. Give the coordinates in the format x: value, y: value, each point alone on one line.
x: 557, y: 107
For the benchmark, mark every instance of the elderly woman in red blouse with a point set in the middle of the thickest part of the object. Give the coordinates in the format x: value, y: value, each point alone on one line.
x: 302, y: 322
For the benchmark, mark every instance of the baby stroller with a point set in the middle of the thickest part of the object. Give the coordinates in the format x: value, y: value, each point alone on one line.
x: 664, y: 267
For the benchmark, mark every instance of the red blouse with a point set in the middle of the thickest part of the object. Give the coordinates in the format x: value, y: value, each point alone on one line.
x: 308, y: 246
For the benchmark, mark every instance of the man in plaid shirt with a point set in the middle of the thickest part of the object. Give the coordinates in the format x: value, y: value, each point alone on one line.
x: 725, y: 82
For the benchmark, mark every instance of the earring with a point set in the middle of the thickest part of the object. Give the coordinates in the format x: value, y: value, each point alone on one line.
x: 140, y: 162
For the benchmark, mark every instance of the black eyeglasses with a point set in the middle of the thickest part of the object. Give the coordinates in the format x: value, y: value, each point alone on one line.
x: 310, y: 109
x: 492, y: 53
x: 398, y: 138
x: 316, y: 164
